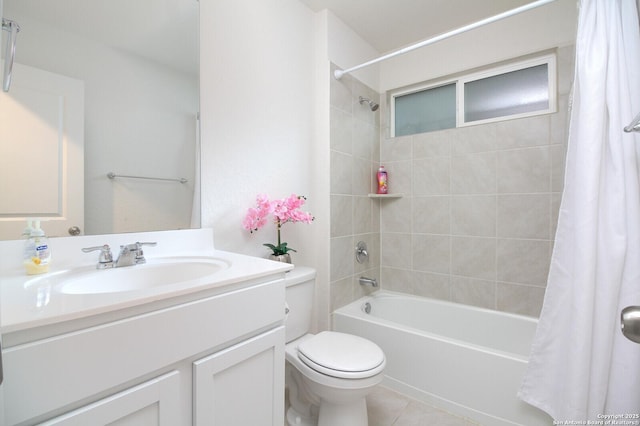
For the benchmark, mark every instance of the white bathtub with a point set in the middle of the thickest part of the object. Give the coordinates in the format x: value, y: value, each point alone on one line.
x: 466, y: 360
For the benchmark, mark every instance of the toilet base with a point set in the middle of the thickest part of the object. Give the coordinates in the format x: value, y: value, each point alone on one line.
x: 296, y: 419
x: 351, y: 414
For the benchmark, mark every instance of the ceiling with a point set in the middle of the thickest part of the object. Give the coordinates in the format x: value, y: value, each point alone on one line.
x: 390, y: 24
x: 164, y: 31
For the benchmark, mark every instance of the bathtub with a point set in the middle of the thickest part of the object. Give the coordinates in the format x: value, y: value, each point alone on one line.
x: 468, y: 361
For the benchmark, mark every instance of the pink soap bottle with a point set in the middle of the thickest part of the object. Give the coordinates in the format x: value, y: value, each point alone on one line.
x: 382, y: 180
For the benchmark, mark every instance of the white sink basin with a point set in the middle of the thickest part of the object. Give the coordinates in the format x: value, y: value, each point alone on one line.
x: 155, y: 273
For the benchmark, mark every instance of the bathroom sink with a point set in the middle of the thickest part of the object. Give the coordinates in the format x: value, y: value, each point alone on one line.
x: 155, y: 273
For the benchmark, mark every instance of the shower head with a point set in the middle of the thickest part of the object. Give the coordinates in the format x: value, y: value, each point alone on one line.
x: 374, y: 106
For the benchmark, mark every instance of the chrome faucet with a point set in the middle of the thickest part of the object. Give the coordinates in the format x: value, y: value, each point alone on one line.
x: 130, y: 254
x: 368, y: 281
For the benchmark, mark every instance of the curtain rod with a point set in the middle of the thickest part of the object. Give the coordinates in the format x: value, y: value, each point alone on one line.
x: 339, y: 73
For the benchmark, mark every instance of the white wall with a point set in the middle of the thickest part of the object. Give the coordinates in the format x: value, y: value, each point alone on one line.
x: 265, y: 121
x: 346, y: 48
x: 257, y: 104
x: 543, y: 28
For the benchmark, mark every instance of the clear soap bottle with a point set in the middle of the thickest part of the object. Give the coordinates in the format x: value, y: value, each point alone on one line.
x: 37, y: 253
x: 26, y: 232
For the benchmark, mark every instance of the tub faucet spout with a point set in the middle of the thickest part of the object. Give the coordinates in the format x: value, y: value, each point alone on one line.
x: 368, y: 281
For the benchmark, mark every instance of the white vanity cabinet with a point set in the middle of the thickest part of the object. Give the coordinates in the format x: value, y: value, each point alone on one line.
x: 212, y: 359
x: 236, y: 386
x: 155, y: 402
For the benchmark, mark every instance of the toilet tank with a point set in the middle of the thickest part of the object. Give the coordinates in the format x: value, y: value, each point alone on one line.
x: 300, y: 283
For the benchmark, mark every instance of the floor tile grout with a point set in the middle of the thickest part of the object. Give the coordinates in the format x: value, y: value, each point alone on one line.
x: 386, y: 407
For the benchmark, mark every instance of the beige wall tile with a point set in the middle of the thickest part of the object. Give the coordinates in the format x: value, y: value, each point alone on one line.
x: 342, y: 255
x: 558, y: 160
x: 523, y: 261
x: 473, y: 257
x: 473, y: 215
x: 431, y: 253
x: 473, y: 291
x: 394, y: 149
x: 559, y: 122
x: 341, y: 293
x: 519, y: 299
x: 473, y: 139
x: 395, y: 250
x: 524, y: 170
x: 362, y: 215
x: 361, y: 175
x: 396, y: 279
x: 398, y: 177
x: 427, y: 284
x: 431, y: 176
x: 524, y: 216
x: 474, y: 173
x: 433, y: 144
x: 523, y: 132
x: 341, y: 207
x: 341, y: 132
x: 396, y: 216
x: 431, y: 215
x: 341, y: 166
x: 365, y: 136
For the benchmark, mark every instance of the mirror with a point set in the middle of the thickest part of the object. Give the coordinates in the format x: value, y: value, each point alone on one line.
x: 137, y: 65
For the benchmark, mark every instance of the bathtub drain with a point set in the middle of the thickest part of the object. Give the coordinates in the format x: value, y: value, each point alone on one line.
x: 367, y: 307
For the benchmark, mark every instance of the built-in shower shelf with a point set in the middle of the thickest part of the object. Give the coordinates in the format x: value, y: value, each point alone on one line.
x: 398, y: 195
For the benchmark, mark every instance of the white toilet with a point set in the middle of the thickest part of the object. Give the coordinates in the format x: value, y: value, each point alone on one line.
x: 328, y: 375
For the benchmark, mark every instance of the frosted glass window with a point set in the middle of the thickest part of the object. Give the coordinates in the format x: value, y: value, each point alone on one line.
x: 426, y: 111
x: 517, y: 92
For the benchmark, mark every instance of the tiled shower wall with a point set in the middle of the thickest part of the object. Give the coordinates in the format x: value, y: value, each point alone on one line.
x: 479, y: 209
x: 477, y: 222
x: 355, y: 154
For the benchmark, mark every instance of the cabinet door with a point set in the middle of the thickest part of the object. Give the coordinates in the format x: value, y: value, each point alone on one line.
x: 155, y: 402
x: 242, y: 385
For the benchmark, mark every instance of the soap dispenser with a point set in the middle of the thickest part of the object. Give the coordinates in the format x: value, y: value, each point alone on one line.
x: 26, y: 232
x: 37, y: 254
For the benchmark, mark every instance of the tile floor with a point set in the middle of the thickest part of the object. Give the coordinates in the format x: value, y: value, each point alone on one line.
x: 388, y: 408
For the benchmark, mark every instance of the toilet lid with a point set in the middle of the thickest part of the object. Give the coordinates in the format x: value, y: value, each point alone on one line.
x: 342, y: 355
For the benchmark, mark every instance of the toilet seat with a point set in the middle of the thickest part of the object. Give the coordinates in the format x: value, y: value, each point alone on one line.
x: 342, y: 355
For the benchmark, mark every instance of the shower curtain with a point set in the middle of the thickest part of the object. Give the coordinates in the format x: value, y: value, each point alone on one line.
x: 581, y: 367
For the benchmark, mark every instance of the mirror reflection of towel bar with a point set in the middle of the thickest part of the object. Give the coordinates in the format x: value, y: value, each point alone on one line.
x: 112, y: 175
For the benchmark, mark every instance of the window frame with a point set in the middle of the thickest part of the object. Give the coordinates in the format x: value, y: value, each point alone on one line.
x: 460, y: 80
x: 416, y: 89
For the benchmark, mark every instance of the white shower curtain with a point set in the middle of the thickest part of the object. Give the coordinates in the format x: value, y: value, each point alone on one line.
x: 581, y: 366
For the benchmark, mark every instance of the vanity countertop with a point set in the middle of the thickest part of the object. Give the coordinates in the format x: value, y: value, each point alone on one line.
x: 29, y: 302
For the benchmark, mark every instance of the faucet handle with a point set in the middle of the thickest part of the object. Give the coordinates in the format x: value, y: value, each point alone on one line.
x: 105, y: 254
x: 150, y: 244
x: 136, y: 249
